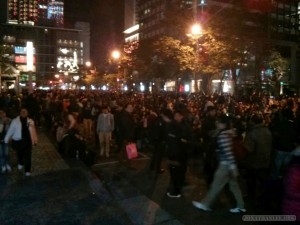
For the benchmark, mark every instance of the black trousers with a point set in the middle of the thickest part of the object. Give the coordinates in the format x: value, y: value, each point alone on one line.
x: 23, y: 154
x: 157, y: 156
x: 177, y: 178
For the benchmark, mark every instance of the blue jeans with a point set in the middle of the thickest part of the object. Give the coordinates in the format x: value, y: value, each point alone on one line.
x: 282, y: 159
x: 3, y: 154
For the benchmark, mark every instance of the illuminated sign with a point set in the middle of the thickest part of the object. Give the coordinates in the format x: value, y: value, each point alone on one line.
x: 29, y: 53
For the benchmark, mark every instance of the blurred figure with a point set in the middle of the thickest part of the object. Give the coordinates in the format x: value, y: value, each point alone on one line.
x: 23, y: 134
x: 87, y: 119
x: 285, y: 137
x: 179, y: 134
x: 105, y: 126
x: 291, y: 198
x: 157, y: 139
x: 208, y: 143
x: 4, y: 157
x: 226, y: 172
x: 127, y: 127
x: 258, y: 142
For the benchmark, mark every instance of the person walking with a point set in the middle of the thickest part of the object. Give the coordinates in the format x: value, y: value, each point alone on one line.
x: 4, y: 157
x: 105, y: 126
x: 23, y: 134
x: 226, y: 172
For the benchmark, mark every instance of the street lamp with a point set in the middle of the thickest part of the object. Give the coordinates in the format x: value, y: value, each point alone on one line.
x: 116, y: 54
x: 88, y: 64
x: 196, y: 33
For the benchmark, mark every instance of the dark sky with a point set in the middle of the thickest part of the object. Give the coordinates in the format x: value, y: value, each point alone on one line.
x: 106, y: 19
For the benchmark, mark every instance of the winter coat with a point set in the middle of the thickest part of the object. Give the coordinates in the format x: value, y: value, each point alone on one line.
x: 258, y: 142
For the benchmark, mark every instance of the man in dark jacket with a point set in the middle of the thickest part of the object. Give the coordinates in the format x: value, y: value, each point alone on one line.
x: 208, y: 143
x: 285, y: 135
x: 178, y: 137
x: 126, y: 126
x: 258, y: 142
x: 156, y: 131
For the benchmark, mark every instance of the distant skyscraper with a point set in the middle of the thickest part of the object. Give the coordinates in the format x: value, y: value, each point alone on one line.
x: 56, y: 12
x: 130, y: 23
x: 36, y: 12
x: 130, y: 14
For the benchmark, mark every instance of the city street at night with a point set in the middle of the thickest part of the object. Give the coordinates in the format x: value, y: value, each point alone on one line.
x: 63, y: 192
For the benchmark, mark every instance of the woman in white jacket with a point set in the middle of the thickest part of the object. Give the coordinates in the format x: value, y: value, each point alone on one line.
x: 23, y: 136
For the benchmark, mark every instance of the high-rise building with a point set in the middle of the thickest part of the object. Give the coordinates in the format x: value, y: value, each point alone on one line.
x: 35, y: 12
x: 153, y: 14
x: 56, y: 50
x: 281, y: 21
x: 131, y: 26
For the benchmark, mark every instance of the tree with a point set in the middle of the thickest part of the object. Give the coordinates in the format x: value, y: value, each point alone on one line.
x: 5, y: 52
x: 216, y: 54
x: 278, y: 67
x: 172, y: 58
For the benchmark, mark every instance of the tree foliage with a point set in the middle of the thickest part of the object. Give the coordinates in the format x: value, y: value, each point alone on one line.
x: 172, y: 57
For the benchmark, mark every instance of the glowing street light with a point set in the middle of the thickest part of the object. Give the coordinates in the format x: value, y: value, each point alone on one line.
x: 88, y: 64
x: 196, y: 33
x: 116, y: 54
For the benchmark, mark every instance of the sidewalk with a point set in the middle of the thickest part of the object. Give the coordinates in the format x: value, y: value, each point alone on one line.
x: 60, y: 193
x: 67, y: 192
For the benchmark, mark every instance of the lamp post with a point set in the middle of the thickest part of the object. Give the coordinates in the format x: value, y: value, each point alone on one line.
x: 116, y: 54
x: 196, y: 32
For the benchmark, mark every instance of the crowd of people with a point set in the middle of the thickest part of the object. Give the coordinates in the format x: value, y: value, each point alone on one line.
x: 176, y: 127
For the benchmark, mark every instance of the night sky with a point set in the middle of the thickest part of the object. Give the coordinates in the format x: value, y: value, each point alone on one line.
x: 106, y: 18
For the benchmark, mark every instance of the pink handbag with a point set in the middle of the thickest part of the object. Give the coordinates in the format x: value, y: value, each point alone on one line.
x: 131, y: 151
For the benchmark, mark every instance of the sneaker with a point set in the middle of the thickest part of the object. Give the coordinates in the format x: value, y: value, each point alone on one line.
x: 8, y: 168
x: 173, y: 196
x: 3, y: 169
x: 27, y: 174
x: 201, y: 206
x: 20, y: 167
x: 237, y: 210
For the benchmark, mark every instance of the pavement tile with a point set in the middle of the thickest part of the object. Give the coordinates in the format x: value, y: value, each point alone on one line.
x: 143, y: 211
x: 120, y: 188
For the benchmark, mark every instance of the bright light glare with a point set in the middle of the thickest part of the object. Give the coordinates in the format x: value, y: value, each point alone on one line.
x: 186, y: 88
x: 29, y: 53
x: 76, y: 78
x: 142, y: 87
x: 196, y: 29
x: 116, y: 54
x: 88, y: 64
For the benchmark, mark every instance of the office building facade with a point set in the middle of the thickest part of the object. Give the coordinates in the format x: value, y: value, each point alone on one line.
x: 57, y: 52
x: 281, y: 21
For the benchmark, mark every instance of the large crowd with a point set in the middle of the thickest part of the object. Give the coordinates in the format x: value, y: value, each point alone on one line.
x: 177, y: 127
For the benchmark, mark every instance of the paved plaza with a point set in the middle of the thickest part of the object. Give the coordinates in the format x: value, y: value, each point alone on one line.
x: 67, y: 192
